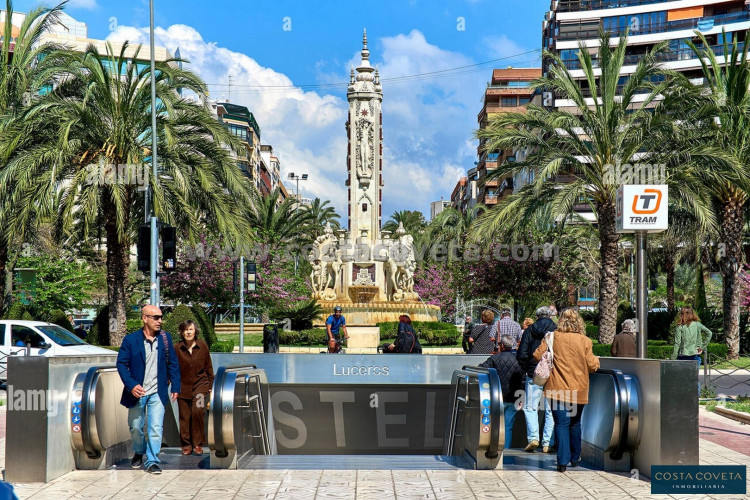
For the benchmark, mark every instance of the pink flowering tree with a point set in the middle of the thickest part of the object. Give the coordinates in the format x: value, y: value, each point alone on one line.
x: 435, y: 284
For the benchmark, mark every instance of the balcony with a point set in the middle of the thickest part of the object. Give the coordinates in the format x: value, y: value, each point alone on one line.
x: 701, y: 23
x: 672, y: 55
x: 490, y: 200
x: 579, y: 5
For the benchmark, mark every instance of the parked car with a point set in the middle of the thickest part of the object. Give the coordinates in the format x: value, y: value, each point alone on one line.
x: 41, y: 339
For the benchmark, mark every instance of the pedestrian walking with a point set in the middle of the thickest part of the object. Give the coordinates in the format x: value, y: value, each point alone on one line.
x: 623, y: 345
x: 530, y: 340
x: 568, y: 384
x: 506, y: 326
x: 197, y: 378
x: 147, y: 364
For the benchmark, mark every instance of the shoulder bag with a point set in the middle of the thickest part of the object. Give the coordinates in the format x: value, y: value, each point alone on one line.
x: 544, y: 367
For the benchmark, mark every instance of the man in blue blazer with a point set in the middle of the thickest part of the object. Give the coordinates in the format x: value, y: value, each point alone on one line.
x: 147, y: 364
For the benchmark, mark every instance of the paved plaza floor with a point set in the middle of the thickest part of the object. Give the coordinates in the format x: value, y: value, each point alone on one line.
x: 722, y: 442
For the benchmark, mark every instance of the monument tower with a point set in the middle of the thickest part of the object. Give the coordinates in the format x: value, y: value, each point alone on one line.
x: 368, y: 271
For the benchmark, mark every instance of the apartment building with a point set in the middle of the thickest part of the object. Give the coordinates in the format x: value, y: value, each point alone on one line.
x: 242, y: 124
x: 647, y: 22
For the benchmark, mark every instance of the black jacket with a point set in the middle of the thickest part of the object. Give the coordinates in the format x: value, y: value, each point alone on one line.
x: 531, y: 339
x: 406, y: 342
x: 510, y: 372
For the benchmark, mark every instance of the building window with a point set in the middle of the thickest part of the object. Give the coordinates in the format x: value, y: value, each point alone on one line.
x: 364, y: 207
x: 523, y: 101
x: 509, y: 102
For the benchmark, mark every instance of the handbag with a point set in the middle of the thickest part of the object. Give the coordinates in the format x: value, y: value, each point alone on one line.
x: 544, y: 367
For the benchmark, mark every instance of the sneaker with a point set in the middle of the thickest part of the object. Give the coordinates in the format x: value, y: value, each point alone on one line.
x: 154, y: 469
x: 532, y: 445
x: 137, y: 461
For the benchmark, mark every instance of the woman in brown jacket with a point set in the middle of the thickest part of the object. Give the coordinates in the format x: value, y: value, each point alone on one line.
x: 197, y: 375
x: 568, y: 384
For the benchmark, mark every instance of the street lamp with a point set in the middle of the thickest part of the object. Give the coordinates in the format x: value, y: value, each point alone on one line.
x: 297, y: 178
x: 154, y: 279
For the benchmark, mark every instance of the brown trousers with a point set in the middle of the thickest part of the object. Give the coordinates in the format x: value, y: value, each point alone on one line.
x: 192, y: 420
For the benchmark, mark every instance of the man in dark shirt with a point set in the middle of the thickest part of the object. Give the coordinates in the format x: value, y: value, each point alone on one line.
x: 511, y: 380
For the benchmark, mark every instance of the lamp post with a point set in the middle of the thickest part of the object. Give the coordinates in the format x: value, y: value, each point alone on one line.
x: 154, y: 279
x: 297, y: 178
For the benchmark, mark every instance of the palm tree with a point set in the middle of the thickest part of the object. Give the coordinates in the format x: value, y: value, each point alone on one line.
x: 412, y: 220
x: 322, y: 213
x: 20, y: 70
x: 279, y: 224
x: 571, y: 153
x: 720, y: 121
x: 98, y: 117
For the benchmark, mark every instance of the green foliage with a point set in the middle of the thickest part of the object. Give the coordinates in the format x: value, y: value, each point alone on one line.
x: 16, y: 311
x: 592, y: 332
x: 59, y: 284
x: 99, y: 331
x: 660, y: 325
x: 27, y: 316
x: 430, y: 333
x: 205, y: 324
x: 172, y: 321
x: 134, y: 325
x: 58, y: 317
x: 659, y: 349
x: 223, y: 346
x: 308, y: 337
x: 301, y: 314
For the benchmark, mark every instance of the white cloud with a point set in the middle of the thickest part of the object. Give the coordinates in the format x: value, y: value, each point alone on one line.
x: 501, y: 46
x: 427, y: 126
x: 82, y: 4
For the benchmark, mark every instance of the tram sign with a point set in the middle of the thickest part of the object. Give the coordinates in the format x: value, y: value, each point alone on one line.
x: 642, y: 208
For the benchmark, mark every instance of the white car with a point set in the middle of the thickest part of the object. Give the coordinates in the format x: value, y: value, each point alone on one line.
x: 17, y: 337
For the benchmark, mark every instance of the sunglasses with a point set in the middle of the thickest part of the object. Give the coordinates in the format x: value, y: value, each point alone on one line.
x: 155, y: 317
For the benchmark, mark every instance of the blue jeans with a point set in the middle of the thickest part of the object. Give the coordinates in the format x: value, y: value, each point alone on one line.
x: 149, y: 411
x: 533, y: 397
x: 567, y: 432
x: 509, y: 412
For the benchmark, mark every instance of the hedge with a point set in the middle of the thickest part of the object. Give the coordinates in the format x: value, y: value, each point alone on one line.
x: 660, y: 350
x: 134, y: 325
x: 429, y: 332
x: 592, y: 332
x: 310, y: 337
x: 223, y: 346
x: 172, y: 321
x: 206, y: 326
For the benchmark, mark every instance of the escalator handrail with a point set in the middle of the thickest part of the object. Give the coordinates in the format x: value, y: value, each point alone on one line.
x: 88, y: 409
x: 496, y: 405
x: 621, y: 390
x: 217, y: 403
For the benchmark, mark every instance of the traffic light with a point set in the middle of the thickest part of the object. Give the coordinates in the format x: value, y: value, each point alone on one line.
x: 251, y: 276
x: 144, y: 248
x: 169, y: 248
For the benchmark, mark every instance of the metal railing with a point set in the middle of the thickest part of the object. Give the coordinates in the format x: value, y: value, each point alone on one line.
x: 476, y: 425
x: 711, y: 379
x: 585, y: 31
x: 229, y: 408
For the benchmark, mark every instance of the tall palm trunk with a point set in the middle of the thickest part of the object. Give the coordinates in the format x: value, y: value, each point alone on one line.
x: 118, y: 261
x: 608, y: 276
x: 669, y: 266
x: 3, y: 270
x: 732, y: 217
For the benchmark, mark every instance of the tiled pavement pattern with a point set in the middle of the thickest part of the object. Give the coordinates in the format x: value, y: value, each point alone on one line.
x: 374, y: 484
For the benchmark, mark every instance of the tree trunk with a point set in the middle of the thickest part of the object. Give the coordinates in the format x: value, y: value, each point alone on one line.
x: 608, y: 275
x: 730, y: 263
x: 669, y: 266
x: 118, y: 261
x: 3, y: 277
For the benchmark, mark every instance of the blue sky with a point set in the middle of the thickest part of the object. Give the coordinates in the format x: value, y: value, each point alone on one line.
x: 307, y: 46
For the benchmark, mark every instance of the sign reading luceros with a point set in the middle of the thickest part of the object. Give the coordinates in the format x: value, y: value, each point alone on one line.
x: 642, y: 208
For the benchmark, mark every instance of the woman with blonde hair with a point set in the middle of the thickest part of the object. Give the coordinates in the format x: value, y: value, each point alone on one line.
x: 568, y: 384
x: 482, y: 338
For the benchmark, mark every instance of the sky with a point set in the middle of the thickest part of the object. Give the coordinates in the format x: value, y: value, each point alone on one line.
x: 288, y: 61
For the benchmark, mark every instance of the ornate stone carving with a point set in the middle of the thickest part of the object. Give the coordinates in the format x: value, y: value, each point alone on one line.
x: 325, y: 258
x: 401, y: 266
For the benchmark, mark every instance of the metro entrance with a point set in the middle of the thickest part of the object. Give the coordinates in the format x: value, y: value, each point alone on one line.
x: 276, y: 411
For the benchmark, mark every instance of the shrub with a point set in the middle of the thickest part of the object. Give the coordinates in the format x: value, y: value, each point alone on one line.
x: 172, y: 321
x: 591, y: 317
x: 133, y: 325
x: 592, y: 332
x: 660, y: 325
x: 58, y: 317
x: 429, y: 332
x: 16, y: 311
x: 207, y: 327
x: 99, y: 331
x: 310, y: 337
x: 660, y: 349
x: 223, y: 346
x: 300, y: 314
